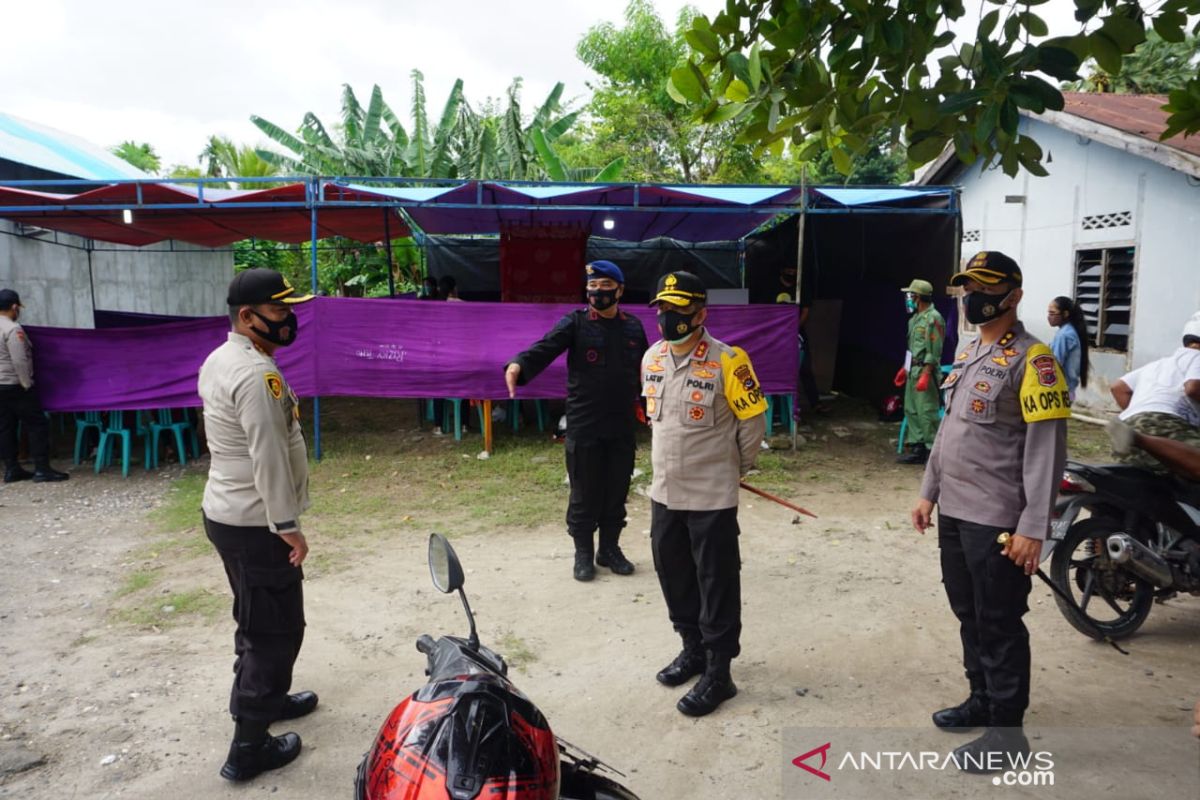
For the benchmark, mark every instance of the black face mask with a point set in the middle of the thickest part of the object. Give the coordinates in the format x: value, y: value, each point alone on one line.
x: 275, y: 332
x: 674, y: 326
x: 602, y: 299
x: 983, y: 308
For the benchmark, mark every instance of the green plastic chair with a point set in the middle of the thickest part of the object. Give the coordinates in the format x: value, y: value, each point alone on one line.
x: 85, y: 421
x: 164, y: 421
x: 785, y: 403
x: 117, y: 429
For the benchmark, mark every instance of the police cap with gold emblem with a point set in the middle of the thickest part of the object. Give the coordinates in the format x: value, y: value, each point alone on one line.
x: 989, y: 267
x: 259, y: 285
x: 679, y: 289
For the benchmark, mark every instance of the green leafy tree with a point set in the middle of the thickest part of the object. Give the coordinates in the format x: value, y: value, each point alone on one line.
x: 141, y: 155
x: 631, y: 114
x: 1155, y: 67
x: 826, y: 74
x: 224, y: 159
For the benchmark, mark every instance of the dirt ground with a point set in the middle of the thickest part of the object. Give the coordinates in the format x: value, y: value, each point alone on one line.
x: 846, y: 625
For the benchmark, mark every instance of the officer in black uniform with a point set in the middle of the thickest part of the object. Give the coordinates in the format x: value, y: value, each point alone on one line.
x: 604, y: 351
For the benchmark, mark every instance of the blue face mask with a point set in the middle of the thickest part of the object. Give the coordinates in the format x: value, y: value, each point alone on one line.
x: 910, y: 303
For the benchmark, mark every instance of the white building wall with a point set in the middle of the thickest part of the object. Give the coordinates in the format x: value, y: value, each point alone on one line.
x: 1044, y: 231
x: 56, y: 284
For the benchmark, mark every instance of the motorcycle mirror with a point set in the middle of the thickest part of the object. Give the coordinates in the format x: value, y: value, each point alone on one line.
x: 444, y: 566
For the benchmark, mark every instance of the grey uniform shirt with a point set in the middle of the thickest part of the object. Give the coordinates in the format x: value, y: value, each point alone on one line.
x: 707, y: 423
x: 16, y: 355
x: 1000, y: 450
x: 259, y: 470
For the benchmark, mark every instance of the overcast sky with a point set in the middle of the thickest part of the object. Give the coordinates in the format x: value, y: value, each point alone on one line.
x: 171, y: 73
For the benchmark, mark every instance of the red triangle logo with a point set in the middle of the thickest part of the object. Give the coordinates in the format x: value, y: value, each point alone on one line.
x: 824, y: 751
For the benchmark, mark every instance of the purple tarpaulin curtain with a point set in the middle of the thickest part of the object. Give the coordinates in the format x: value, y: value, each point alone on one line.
x: 365, y: 348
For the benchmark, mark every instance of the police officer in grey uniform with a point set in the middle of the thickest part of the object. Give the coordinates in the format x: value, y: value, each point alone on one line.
x: 706, y: 412
x: 19, y: 402
x: 257, y: 487
x: 994, y: 469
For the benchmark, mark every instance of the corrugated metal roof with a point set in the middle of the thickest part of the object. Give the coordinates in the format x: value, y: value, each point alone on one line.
x: 1138, y: 114
x: 25, y: 142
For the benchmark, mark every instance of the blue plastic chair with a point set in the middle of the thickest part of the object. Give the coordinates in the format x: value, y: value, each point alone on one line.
x: 88, y: 420
x: 164, y: 421
x: 514, y: 411
x: 787, y: 404
x: 118, y: 429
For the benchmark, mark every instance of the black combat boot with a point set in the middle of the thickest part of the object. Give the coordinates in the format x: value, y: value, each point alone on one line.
x: 298, y: 705
x: 14, y: 472
x: 44, y: 473
x: 254, y: 751
x: 585, y: 570
x: 919, y: 455
x: 966, y: 716
x: 1000, y: 749
x: 688, y: 664
x: 713, y: 688
x: 610, y: 554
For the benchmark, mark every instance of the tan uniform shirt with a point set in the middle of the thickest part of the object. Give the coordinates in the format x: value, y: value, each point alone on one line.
x: 1000, y: 450
x: 707, y: 419
x: 16, y: 355
x: 259, y: 470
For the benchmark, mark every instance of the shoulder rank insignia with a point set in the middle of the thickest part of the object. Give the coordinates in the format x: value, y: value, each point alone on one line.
x: 274, y: 384
x: 701, y: 350
x: 662, y: 351
x: 1044, y: 393
x: 1006, y: 339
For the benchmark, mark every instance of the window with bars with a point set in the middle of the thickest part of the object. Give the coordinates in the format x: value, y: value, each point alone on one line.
x: 1104, y: 292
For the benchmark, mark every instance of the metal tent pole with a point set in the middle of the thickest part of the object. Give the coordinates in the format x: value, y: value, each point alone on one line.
x: 387, y: 241
x: 314, y: 192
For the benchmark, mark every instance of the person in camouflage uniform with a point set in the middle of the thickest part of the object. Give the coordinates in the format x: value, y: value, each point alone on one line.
x: 926, y: 335
x: 1162, y: 398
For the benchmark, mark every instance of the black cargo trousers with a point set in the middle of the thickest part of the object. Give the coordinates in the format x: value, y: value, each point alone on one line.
x: 268, y: 607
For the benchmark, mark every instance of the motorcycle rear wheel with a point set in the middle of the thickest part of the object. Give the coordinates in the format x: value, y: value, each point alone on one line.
x: 1081, y: 567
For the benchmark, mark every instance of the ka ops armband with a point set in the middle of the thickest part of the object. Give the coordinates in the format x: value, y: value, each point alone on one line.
x: 1044, y: 393
x: 742, y: 392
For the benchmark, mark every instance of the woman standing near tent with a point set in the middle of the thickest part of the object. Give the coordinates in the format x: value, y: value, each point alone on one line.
x: 1070, y: 343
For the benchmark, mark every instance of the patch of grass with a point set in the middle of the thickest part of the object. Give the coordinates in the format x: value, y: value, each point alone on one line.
x: 181, y: 508
x: 516, y: 651
x: 136, y: 581
x: 166, y: 610
x: 1088, y: 442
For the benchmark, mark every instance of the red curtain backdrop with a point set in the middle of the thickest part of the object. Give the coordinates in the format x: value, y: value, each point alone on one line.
x: 542, y: 263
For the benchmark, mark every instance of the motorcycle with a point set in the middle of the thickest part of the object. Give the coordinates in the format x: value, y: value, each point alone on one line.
x: 1140, y: 544
x: 469, y: 732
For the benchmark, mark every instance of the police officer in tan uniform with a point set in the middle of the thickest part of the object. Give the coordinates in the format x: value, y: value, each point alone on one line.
x: 19, y: 402
x: 257, y: 487
x: 706, y: 412
x: 994, y: 468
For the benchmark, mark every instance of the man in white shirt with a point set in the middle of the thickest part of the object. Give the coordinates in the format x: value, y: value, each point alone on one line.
x: 1163, y: 397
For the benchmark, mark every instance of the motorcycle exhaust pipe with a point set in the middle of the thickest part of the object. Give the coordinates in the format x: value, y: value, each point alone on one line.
x: 1140, y: 560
